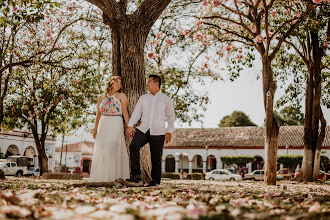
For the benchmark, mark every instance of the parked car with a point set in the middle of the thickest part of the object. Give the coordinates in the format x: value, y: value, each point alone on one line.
x: 11, y: 168
x: 321, y: 175
x: 232, y: 170
x: 259, y: 175
x: 283, y: 171
x: 222, y: 174
x: 33, y: 171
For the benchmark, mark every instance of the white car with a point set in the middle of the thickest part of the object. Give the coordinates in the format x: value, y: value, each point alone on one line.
x: 33, y: 171
x: 222, y: 174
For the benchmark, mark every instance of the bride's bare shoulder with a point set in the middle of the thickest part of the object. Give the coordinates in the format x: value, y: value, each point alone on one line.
x: 122, y: 95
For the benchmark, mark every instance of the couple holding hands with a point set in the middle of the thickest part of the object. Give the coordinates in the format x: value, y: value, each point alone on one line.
x: 110, y: 158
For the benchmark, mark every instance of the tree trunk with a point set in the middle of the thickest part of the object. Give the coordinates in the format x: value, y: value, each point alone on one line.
x: 313, y: 137
x: 42, y: 157
x: 132, y: 67
x: 129, y: 35
x: 271, y: 125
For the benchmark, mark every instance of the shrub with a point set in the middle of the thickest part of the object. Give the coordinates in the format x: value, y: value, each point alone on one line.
x: 195, y: 176
x: 173, y: 176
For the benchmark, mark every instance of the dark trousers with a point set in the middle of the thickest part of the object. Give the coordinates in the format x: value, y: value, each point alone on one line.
x: 156, y: 143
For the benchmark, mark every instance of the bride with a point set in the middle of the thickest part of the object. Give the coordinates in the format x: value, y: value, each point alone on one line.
x: 110, y: 158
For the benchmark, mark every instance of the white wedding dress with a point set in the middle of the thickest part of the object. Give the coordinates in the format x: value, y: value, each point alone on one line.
x: 110, y: 158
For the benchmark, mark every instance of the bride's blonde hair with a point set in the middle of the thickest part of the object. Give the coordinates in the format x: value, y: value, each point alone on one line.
x: 109, y: 84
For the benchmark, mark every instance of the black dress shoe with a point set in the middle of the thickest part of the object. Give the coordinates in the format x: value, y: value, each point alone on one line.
x: 134, y: 179
x: 152, y: 183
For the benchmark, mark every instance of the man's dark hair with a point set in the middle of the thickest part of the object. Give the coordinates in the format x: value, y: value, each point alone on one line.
x: 156, y: 78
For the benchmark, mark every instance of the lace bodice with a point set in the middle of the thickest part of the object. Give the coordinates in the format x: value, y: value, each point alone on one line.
x: 111, y: 106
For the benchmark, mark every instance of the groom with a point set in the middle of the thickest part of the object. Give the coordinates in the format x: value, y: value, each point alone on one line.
x: 153, y: 109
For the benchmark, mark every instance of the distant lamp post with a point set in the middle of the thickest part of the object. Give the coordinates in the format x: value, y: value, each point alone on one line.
x: 181, y: 155
x: 287, y: 149
x: 207, y: 154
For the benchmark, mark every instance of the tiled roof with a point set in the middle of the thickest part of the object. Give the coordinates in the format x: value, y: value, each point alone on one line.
x: 291, y: 136
x: 85, y: 147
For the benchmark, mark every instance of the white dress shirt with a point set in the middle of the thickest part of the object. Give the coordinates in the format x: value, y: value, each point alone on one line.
x: 154, y: 111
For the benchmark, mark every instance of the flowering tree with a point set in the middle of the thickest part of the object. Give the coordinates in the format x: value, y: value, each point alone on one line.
x: 16, y: 16
x: 255, y: 24
x: 309, y: 63
x: 62, y: 83
x: 174, y: 53
x: 130, y: 23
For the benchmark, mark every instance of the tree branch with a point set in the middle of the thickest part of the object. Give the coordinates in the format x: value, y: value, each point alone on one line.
x: 149, y: 11
x: 288, y: 32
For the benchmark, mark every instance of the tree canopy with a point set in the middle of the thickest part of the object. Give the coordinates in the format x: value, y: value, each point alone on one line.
x: 236, y: 119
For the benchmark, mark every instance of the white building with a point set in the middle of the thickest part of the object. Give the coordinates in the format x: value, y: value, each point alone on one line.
x: 21, y: 143
x: 76, y: 157
x: 199, y: 150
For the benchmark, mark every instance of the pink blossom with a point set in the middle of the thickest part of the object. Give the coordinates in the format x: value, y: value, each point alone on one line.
x: 240, y: 50
x: 259, y: 38
x: 209, y: 37
x: 216, y: 3
x: 285, y: 11
x: 239, y: 56
x: 62, y: 96
x: 160, y: 35
x: 273, y: 13
x: 198, y: 35
x: 317, y: 1
x: 154, y: 43
x: 15, y: 9
x: 102, y: 109
x: 198, y: 23
x: 206, y: 65
x: 150, y: 54
x: 185, y: 32
x: 207, y: 43
x: 241, y: 202
x: 315, y: 207
x: 27, y: 107
x: 297, y: 1
x: 325, y: 44
x: 169, y: 41
x: 297, y: 14
x: 228, y: 48
x: 205, y: 3
x: 167, y: 13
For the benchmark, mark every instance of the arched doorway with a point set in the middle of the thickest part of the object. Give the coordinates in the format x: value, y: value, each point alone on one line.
x: 30, y: 155
x: 169, y: 163
x: 197, y: 166
x: 211, y: 163
x: 86, y: 166
x: 258, y: 163
x: 12, y: 150
x: 324, y: 163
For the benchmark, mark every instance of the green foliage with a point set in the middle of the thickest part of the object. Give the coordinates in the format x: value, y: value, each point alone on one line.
x: 291, y: 67
x: 290, y: 161
x: 236, y: 119
x: 195, y: 176
x: 238, y: 161
x: 174, y: 176
x: 289, y: 115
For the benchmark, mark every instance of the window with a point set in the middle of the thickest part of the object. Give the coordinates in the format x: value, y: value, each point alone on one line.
x: 223, y: 173
x: 257, y: 172
x: 13, y: 164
